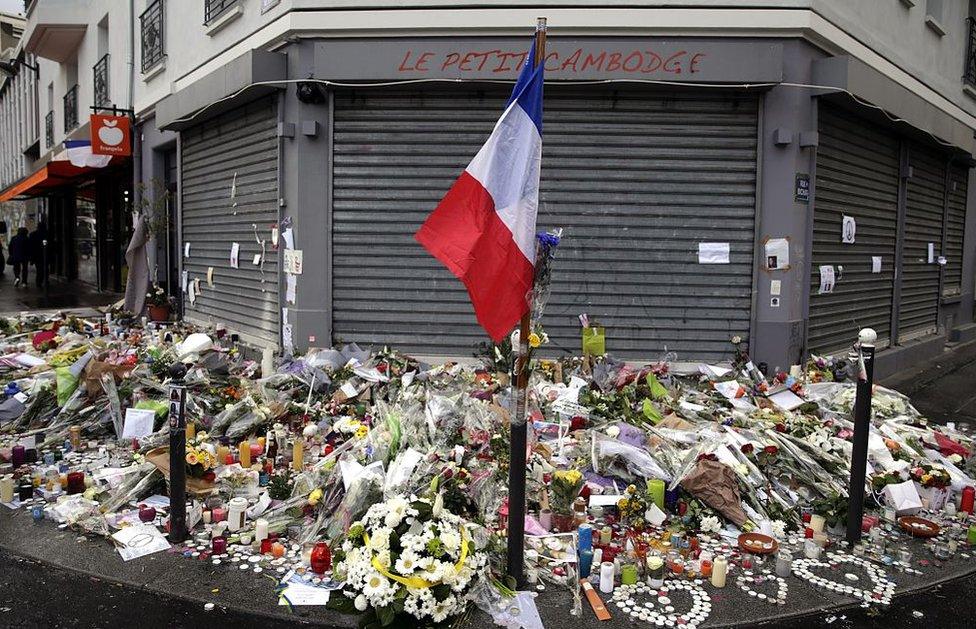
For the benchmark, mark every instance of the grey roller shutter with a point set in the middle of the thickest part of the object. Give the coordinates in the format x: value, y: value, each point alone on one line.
x: 925, y: 204
x: 636, y: 179
x: 857, y: 175
x: 955, y: 228
x: 243, y: 141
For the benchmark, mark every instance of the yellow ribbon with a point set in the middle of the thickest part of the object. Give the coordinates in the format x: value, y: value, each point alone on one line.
x: 418, y: 583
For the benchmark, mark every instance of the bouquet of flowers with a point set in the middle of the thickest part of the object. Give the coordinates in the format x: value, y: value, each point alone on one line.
x: 410, y: 560
x: 632, y: 507
x: 200, y: 462
x: 928, y: 475
x: 566, y: 486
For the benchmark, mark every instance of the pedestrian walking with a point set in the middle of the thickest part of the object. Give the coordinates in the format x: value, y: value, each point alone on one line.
x: 37, y: 242
x: 20, y: 255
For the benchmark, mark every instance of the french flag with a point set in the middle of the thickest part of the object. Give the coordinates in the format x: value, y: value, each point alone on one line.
x: 483, y: 230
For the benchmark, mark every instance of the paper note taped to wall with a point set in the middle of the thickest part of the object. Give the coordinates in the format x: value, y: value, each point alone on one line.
x: 293, y: 261
x: 235, y: 253
x: 713, y: 253
x: 210, y: 276
x: 186, y: 250
x: 826, y: 278
x: 875, y: 264
x: 184, y: 279
x: 848, y: 230
x: 931, y: 252
x: 291, y: 288
x: 777, y: 254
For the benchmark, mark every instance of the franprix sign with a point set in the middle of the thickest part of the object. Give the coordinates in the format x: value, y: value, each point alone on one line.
x: 677, y: 59
x: 111, y: 135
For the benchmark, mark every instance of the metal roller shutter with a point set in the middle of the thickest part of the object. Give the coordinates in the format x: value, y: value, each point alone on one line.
x: 243, y: 141
x: 636, y: 180
x: 925, y: 204
x: 955, y: 228
x: 857, y: 175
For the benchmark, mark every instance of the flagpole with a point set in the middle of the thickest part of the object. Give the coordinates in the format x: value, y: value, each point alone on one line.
x: 519, y: 438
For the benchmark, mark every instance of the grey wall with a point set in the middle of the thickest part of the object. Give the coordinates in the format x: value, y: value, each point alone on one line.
x: 149, y: 166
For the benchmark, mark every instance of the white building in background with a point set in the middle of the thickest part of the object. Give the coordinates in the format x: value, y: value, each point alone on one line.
x: 731, y: 121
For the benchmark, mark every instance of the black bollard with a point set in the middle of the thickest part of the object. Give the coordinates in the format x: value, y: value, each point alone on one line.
x: 862, y: 430
x: 177, y: 454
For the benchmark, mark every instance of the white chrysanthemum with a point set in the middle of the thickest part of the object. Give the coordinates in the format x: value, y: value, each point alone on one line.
x: 451, y: 540
x: 779, y: 529
x: 407, y: 563
x: 396, y: 511
x: 376, y: 585
x: 442, y: 610
x: 710, y: 524
x: 361, y: 603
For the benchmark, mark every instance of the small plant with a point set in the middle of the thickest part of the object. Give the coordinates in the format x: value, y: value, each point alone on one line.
x: 833, y: 508
x: 157, y: 297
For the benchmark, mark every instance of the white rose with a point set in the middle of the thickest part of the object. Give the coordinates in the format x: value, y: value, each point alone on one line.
x: 361, y: 603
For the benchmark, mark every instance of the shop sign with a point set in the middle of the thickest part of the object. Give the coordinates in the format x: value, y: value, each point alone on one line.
x: 111, y: 135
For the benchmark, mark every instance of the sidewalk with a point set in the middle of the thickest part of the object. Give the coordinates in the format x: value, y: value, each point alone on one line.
x: 59, y: 295
x: 942, y: 388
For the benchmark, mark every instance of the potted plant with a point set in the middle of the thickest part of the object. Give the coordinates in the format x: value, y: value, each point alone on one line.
x: 833, y: 508
x: 158, y: 303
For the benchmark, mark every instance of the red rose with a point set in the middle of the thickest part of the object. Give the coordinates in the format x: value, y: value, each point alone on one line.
x: 782, y: 376
x: 770, y: 449
x: 747, y: 448
x: 577, y: 423
x: 381, y: 367
x: 780, y: 427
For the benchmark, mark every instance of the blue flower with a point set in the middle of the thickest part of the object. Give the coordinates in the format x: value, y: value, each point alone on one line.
x: 548, y: 240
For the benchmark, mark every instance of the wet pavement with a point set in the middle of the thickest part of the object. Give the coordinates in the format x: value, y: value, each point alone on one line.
x: 57, y: 296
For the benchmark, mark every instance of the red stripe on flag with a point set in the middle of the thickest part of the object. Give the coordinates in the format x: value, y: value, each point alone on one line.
x: 466, y: 234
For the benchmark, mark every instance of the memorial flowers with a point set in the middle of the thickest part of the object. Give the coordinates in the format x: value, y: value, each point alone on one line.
x: 410, y: 559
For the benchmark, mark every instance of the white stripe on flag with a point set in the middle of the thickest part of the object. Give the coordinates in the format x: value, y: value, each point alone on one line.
x: 508, y: 167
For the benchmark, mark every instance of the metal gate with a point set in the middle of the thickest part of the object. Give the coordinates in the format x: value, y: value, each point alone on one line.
x: 636, y: 179
x: 230, y: 195
x: 955, y: 227
x: 857, y: 176
x: 918, y: 309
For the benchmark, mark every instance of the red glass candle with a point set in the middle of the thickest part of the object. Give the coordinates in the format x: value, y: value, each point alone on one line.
x: 321, y: 558
x: 808, y: 533
x: 219, y: 514
x: 747, y: 563
x: 76, y: 482
x: 968, y: 495
x: 266, y: 546
x: 219, y: 545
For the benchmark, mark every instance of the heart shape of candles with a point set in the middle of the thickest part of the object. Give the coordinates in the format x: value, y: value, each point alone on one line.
x: 659, y: 606
x: 753, y: 585
x: 881, y: 587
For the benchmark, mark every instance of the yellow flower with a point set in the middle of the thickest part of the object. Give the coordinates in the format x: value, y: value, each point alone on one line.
x: 622, y: 503
x: 534, y: 340
x: 926, y: 478
x: 362, y: 431
x: 570, y: 476
x: 314, y: 497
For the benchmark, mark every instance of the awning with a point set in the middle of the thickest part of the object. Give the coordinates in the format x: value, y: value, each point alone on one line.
x: 51, y: 175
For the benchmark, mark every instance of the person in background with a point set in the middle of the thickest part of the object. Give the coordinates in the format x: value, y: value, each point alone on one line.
x: 20, y: 255
x: 37, y: 244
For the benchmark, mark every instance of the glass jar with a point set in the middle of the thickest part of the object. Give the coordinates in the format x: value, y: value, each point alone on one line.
x: 321, y: 559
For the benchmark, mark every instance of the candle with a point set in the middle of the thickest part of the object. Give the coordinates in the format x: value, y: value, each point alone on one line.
x: 950, y: 508
x: 968, y: 496
x: 219, y: 545
x: 585, y: 536
x: 817, y: 523
x: 222, y: 453
x: 266, y: 545
x: 606, y: 577
x: 971, y: 535
x: 545, y: 519
x: 260, y: 529
x: 256, y: 450
x: 706, y: 567
x: 278, y: 550
x: 811, y: 549
x: 321, y: 558
x: 191, y: 430
x: 76, y: 482
x: 605, y: 535
x: 720, y: 568
x: 25, y: 491
x: 236, y: 515
x: 585, y: 562
x: 655, y: 487
x: 74, y: 435
x: 655, y: 571
x: 219, y: 514
x: 267, y: 361
x: 597, y: 557
x: 298, y: 453
x: 7, y: 489
x: 889, y: 514
x: 18, y: 455
x: 244, y: 451
x: 628, y: 574
x: 784, y: 563
x: 246, y: 539
x: 207, y: 516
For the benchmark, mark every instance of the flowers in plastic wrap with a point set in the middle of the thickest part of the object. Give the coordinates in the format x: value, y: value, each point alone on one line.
x: 566, y: 486
x: 410, y: 560
x: 632, y: 507
x: 928, y: 475
x: 200, y: 461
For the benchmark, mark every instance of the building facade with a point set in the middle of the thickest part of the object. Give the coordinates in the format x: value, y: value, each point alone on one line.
x: 786, y: 171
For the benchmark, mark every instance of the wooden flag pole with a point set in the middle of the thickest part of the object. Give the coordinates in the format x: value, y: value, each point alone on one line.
x: 519, y: 436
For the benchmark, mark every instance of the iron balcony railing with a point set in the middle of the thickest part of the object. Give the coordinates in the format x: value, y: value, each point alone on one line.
x: 100, y: 72
x: 153, y: 43
x: 49, y: 129
x: 71, y: 109
x: 215, y: 8
x: 970, y: 74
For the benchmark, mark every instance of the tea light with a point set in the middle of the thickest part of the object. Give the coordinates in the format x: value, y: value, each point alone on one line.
x: 811, y: 549
x: 950, y: 508
x: 219, y: 545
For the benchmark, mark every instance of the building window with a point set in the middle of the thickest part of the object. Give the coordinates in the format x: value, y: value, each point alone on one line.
x: 71, y: 109
x: 49, y: 129
x: 101, y: 83
x: 215, y: 8
x: 153, y: 46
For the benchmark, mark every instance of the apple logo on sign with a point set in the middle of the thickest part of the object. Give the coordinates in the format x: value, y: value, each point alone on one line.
x: 110, y: 134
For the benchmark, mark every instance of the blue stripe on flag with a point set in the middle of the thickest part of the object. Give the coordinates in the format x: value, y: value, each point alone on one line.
x: 528, y: 89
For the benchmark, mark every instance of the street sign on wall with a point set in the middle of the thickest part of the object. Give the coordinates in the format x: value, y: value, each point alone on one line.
x: 111, y: 135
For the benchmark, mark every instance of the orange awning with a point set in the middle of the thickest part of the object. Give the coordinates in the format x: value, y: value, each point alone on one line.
x: 51, y: 175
